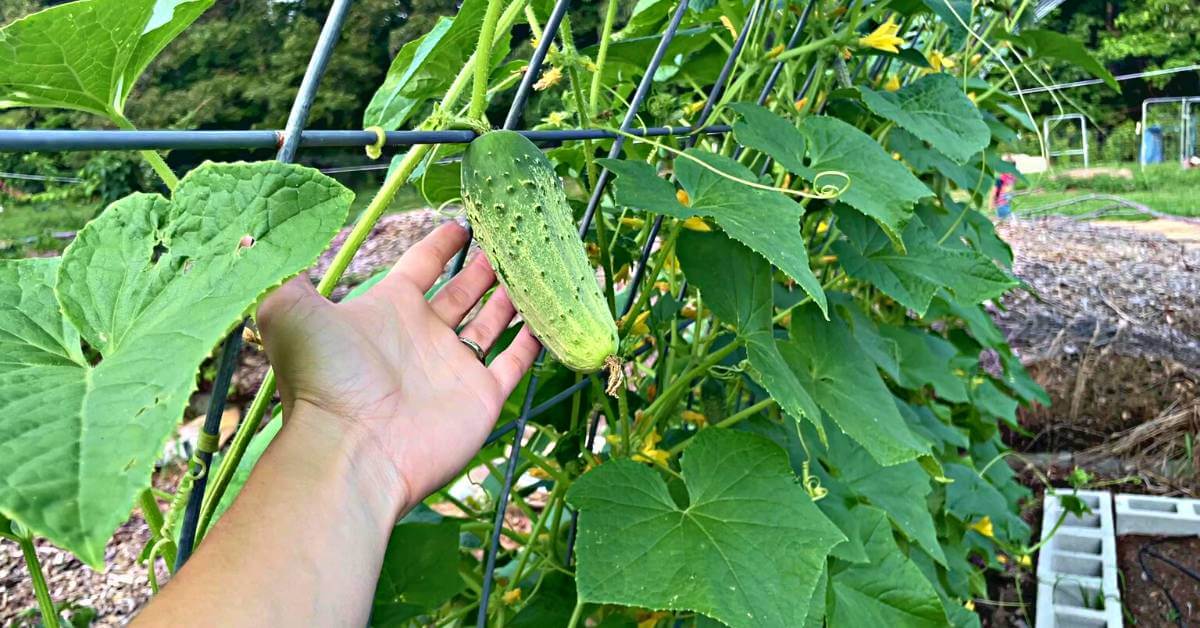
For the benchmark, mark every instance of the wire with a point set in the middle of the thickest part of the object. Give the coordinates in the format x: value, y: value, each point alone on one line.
x: 39, y: 177
x: 1123, y: 77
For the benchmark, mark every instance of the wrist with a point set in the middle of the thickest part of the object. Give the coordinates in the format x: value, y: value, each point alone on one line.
x: 340, y: 448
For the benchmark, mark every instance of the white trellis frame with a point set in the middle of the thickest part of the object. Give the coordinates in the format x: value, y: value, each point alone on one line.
x: 1049, y: 122
x: 1187, y: 126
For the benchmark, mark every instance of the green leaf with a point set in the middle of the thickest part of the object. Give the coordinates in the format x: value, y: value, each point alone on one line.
x: 925, y: 359
x: 878, y: 186
x: 955, y: 13
x: 766, y: 221
x: 888, y: 591
x: 419, y: 571
x: 552, y: 606
x: 1046, y: 44
x: 991, y: 400
x: 736, y: 284
x: 747, y: 549
x: 87, y: 55
x: 923, y: 421
x: 883, y: 351
x: 913, y: 278
x: 842, y: 378
x: 425, y: 67
x: 935, y: 109
x: 970, y: 497
x: 969, y: 177
x: 151, y: 286
x: 900, y: 490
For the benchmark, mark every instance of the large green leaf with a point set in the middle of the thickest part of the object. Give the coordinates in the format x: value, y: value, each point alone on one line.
x: 926, y: 359
x: 1044, y: 44
x: 935, y: 109
x: 970, y: 497
x: 845, y: 383
x: 87, y: 55
x: 736, y: 285
x: 900, y: 490
x: 879, y: 186
x: 914, y: 276
x: 766, y: 221
x: 425, y: 67
x: 890, y: 590
x: 151, y: 286
x: 419, y: 571
x: 747, y: 549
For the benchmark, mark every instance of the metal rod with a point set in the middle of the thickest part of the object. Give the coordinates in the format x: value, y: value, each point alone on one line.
x: 792, y: 41
x: 297, y: 118
x: 64, y: 140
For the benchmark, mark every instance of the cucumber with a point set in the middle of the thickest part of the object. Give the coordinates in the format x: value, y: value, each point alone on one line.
x: 521, y: 218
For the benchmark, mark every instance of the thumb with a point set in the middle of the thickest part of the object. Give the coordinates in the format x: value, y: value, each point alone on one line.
x: 284, y: 300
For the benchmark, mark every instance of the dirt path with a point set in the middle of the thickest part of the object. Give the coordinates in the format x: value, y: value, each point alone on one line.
x: 1186, y: 233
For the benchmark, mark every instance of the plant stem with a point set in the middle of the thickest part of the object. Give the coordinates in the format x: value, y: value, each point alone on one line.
x: 40, y: 590
x: 575, y: 614
x: 809, y: 47
x: 610, y: 16
x: 154, y: 520
x: 153, y: 158
x: 483, y: 50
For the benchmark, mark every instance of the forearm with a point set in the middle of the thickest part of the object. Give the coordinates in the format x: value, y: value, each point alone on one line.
x: 303, y: 542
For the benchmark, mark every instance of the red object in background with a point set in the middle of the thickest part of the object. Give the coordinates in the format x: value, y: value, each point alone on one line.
x: 1002, y: 196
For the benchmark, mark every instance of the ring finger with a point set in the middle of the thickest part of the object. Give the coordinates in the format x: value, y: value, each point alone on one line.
x: 491, y: 321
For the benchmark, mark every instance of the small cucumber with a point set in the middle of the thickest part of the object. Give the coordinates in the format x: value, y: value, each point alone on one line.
x: 517, y: 206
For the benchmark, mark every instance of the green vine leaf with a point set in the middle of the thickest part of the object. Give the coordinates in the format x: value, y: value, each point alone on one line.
x: 970, y: 177
x: 151, y: 286
x: 419, y: 571
x: 87, y: 55
x: 424, y: 68
x: 766, y: 221
x: 914, y: 276
x: 935, y: 109
x: 889, y: 590
x: 926, y: 359
x: 879, y: 186
x: 844, y: 381
x: 736, y: 285
x: 970, y: 497
x: 747, y: 548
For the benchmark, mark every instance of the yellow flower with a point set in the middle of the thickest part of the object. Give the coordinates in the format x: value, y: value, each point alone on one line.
x: 650, y: 451
x: 776, y: 51
x: 696, y: 223
x: 896, y: 156
x: 662, y: 286
x: 1025, y: 561
x: 639, y: 324
x: 693, y: 417
x: 512, y: 597
x: 728, y: 23
x: 632, y: 222
x: 971, y: 96
x: 884, y: 37
x: 689, y: 311
x: 683, y: 198
x: 549, y: 79
x: 892, y: 84
x: 822, y: 226
x: 557, y: 118
x: 692, y: 109
x: 1002, y: 559
x: 937, y: 61
x: 984, y: 527
x: 799, y: 104
x: 969, y: 605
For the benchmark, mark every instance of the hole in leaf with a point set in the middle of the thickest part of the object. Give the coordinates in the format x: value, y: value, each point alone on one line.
x: 159, y: 250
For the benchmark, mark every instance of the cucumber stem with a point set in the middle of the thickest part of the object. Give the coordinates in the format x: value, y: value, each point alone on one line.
x: 483, y: 51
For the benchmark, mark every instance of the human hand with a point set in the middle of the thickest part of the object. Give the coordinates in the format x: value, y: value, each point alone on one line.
x: 388, y: 369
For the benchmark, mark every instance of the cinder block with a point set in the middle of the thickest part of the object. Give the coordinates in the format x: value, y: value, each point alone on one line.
x: 1077, y: 566
x: 1157, y: 515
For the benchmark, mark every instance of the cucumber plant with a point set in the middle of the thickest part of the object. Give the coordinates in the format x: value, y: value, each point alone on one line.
x: 809, y: 425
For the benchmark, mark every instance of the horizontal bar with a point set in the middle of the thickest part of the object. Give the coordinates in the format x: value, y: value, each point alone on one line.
x: 71, y: 140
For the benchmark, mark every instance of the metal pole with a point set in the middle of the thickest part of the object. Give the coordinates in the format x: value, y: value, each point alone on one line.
x: 210, y: 433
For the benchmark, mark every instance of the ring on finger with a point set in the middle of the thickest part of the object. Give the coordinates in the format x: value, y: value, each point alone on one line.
x: 480, y: 354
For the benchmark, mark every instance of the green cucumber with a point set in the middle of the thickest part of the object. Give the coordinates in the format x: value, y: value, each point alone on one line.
x: 520, y: 215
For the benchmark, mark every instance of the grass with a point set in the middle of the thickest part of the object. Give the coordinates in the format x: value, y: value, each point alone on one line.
x: 1164, y: 188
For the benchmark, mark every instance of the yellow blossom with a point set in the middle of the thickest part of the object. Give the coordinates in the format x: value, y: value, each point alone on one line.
x: 662, y: 286
x: 799, y: 104
x: 682, y: 197
x: 632, y: 222
x: 557, y: 118
x: 549, y: 79
x: 728, y: 23
x: 692, y: 109
x: 892, y: 84
x: 512, y: 597
x: 693, y: 417
x: 650, y: 451
x: 984, y: 527
x: 1025, y: 561
x: 896, y: 156
x: 1002, y: 559
x: 787, y: 180
x: 937, y: 61
x: 776, y: 51
x: 884, y: 37
x: 971, y: 96
x: 639, y: 324
x: 969, y: 605
x: 689, y: 311
x: 696, y: 223
x: 622, y: 273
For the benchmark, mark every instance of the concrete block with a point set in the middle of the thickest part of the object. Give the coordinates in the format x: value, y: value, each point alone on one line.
x: 1157, y: 515
x: 1077, y: 566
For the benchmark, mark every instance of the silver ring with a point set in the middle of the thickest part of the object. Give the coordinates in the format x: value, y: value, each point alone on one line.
x: 480, y: 354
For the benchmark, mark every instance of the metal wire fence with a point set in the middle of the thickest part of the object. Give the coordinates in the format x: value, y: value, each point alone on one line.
x: 294, y: 137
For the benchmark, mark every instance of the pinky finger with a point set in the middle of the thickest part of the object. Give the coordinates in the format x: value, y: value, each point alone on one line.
x: 510, y: 366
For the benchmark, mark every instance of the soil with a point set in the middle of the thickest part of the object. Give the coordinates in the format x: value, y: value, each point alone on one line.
x: 1146, y: 593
